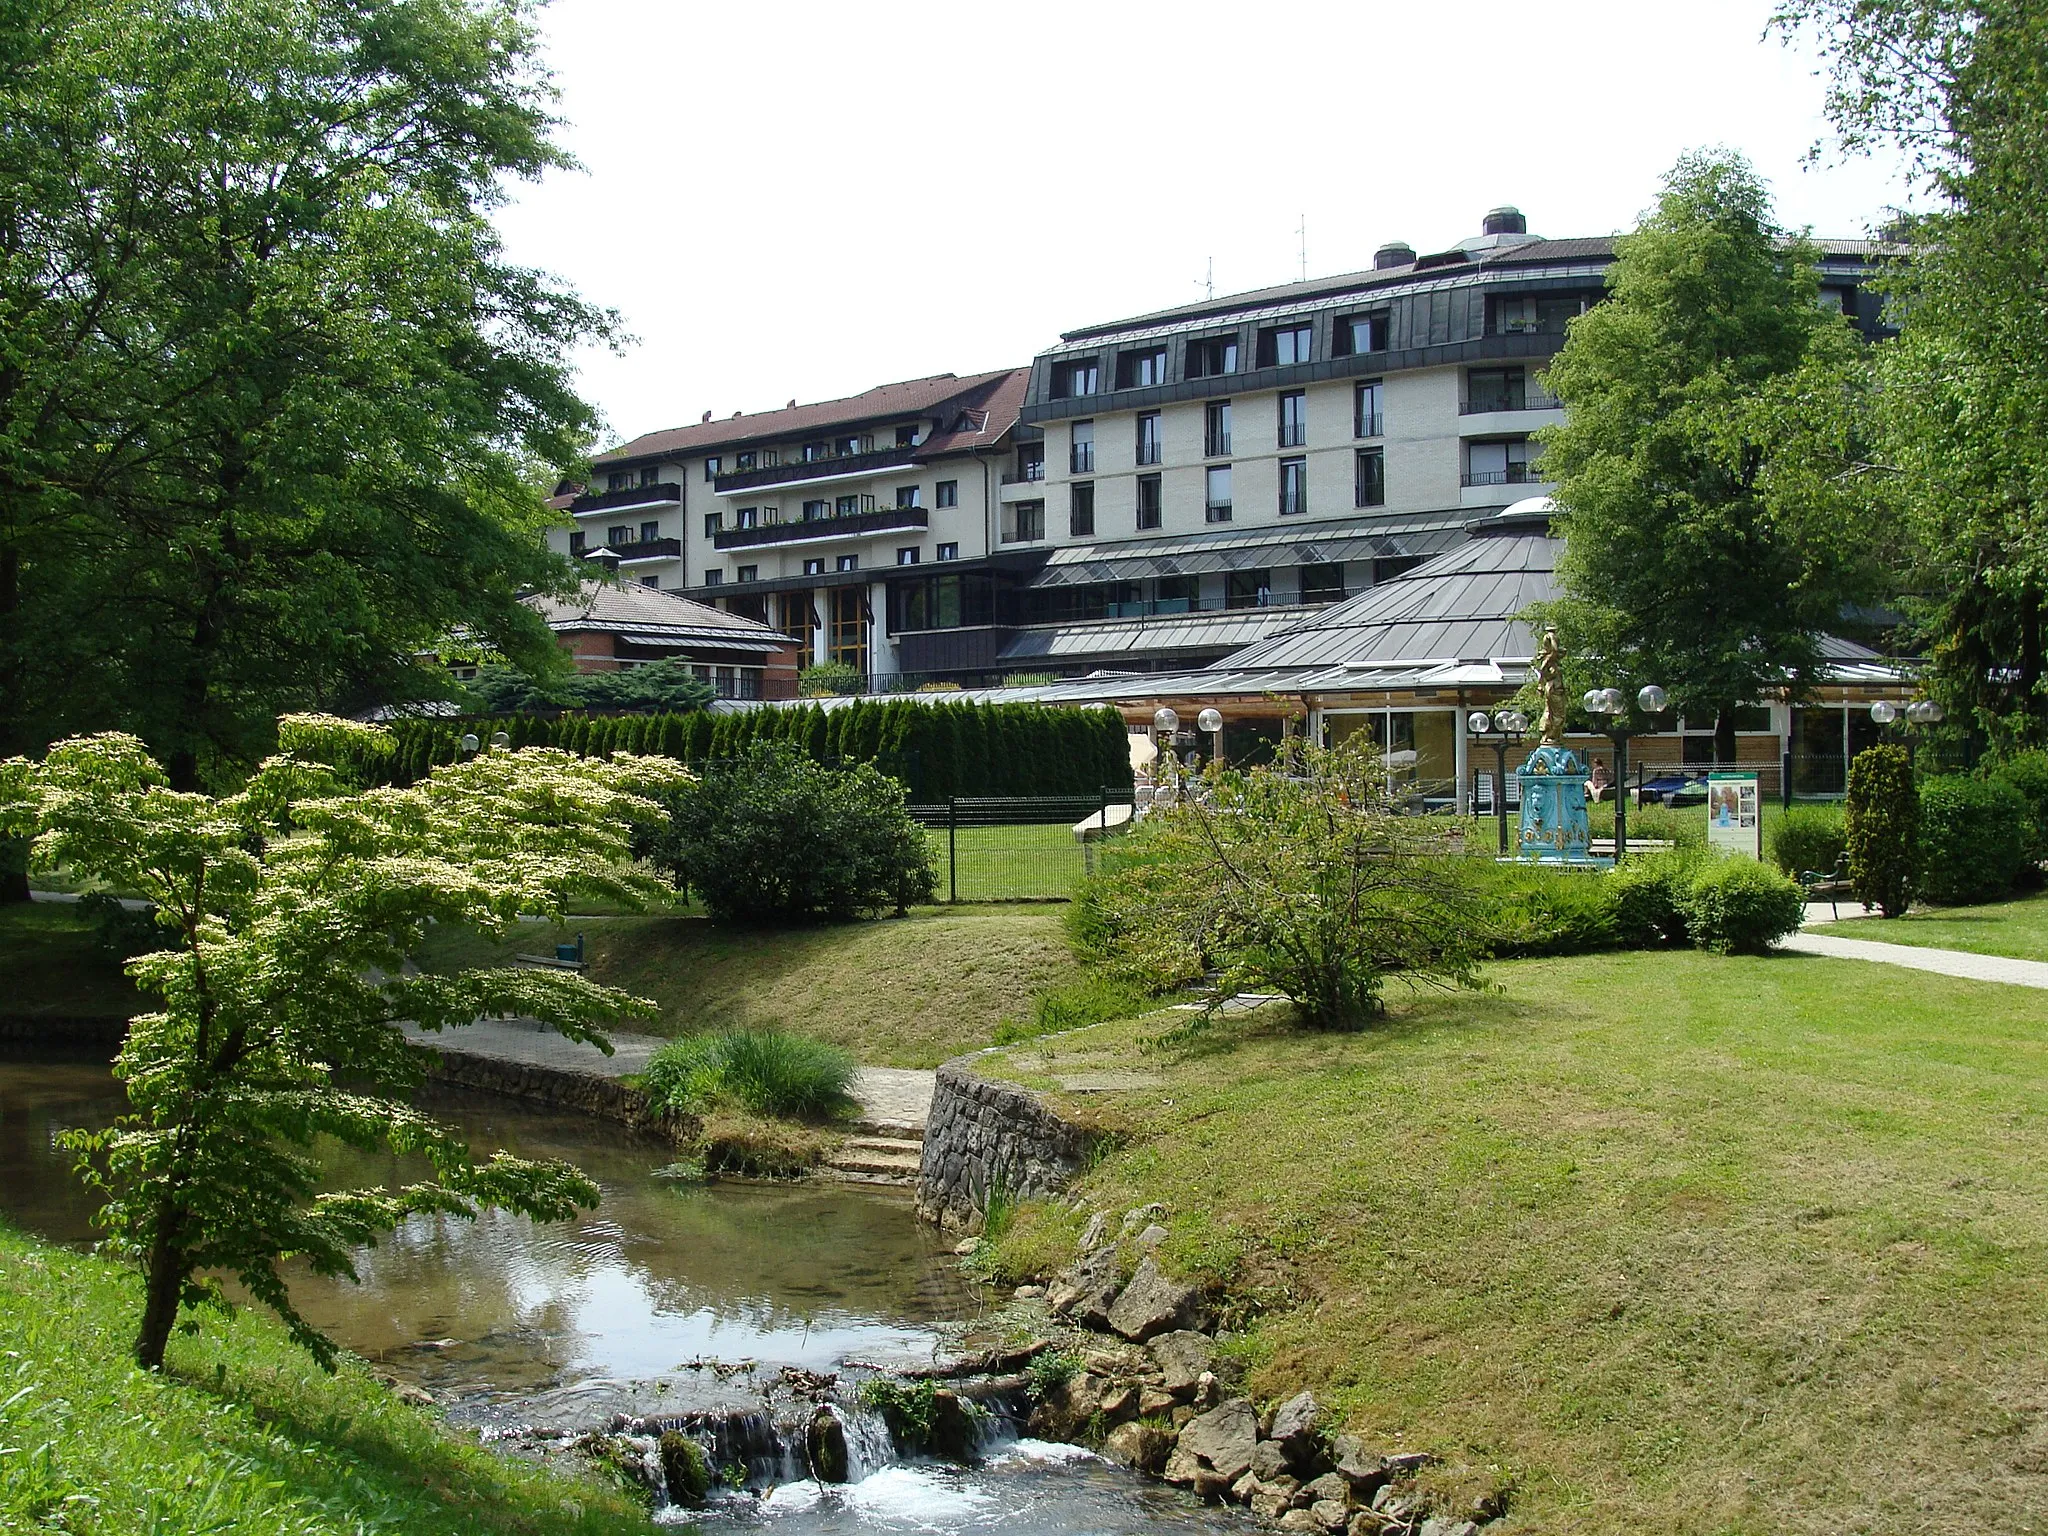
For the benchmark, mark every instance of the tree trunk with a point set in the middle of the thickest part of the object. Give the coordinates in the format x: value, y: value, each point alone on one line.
x: 2032, y: 705
x: 165, y: 1283
x: 1724, y: 734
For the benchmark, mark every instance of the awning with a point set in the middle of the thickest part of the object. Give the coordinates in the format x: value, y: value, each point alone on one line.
x: 698, y: 643
x: 1199, y: 556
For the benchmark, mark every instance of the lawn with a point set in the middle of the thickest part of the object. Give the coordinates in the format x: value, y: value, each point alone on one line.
x: 243, y: 1436
x: 1674, y: 1243
x: 1027, y: 863
x: 54, y: 968
x: 900, y: 992
x: 2015, y: 928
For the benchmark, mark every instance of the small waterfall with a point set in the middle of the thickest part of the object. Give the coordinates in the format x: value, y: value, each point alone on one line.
x: 868, y: 1446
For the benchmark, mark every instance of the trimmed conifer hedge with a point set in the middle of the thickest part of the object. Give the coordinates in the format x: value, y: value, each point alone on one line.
x: 934, y: 750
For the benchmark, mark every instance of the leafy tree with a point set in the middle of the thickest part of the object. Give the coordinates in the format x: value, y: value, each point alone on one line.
x: 1298, y: 877
x: 275, y: 412
x: 1962, y: 87
x: 285, y: 915
x: 1709, y: 542
x: 1881, y: 827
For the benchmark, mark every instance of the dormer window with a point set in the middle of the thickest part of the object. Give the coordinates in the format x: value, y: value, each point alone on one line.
x: 1141, y: 369
x: 1285, y: 345
x: 744, y: 461
x: 906, y: 435
x: 618, y: 480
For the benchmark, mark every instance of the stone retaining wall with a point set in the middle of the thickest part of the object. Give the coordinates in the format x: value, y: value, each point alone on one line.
x: 588, y: 1092
x: 984, y: 1135
x: 23, y: 1029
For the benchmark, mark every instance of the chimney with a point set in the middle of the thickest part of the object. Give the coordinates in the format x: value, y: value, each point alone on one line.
x: 706, y: 417
x: 1504, y: 220
x: 1395, y: 253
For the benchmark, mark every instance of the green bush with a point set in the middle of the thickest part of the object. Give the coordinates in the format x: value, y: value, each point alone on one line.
x: 1881, y: 829
x: 829, y: 679
x: 1535, y: 911
x: 1648, y: 892
x: 773, y: 837
x: 1809, y: 839
x: 1974, y: 837
x: 768, y: 1071
x: 2027, y: 772
x: 1739, y: 907
x: 1681, y: 826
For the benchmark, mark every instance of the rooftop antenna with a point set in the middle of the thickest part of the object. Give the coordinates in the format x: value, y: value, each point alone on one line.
x: 1302, y: 232
x: 1208, y: 283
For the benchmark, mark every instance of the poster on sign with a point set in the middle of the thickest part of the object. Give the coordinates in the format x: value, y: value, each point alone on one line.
x: 1734, y: 814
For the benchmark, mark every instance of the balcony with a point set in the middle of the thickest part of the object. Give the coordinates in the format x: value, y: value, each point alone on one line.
x: 1374, y: 425
x: 1514, y: 474
x: 838, y: 466
x: 667, y: 491
x: 1531, y: 400
x: 1031, y: 474
x: 851, y: 525
x: 638, y: 549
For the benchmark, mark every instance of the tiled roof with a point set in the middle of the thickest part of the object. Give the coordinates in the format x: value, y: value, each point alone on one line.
x: 905, y: 398
x: 983, y: 418
x: 644, y: 610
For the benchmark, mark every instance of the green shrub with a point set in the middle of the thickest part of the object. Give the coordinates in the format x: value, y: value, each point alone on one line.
x: 1737, y: 906
x: 768, y: 1071
x: 1537, y: 911
x: 1648, y: 893
x: 1881, y: 829
x: 1974, y: 837
x: 2027, y: 772
x: 829, y: 679
x: 1809, y: 839
x: 773, y: 837
x: 1680, y: 826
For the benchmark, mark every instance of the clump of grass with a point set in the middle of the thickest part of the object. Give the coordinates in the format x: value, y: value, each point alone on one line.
x: 770, y: 1072
x: 1049, y: 1372
x: 1094, y: 998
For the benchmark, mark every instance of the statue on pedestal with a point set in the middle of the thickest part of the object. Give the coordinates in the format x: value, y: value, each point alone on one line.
x: 1554, y: 828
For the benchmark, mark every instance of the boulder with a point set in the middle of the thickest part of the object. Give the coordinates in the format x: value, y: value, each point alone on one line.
x: 1403, y: 1463
x: 1086, y: 1290
x: 685, y: 1468
x: 1208, y: 1392
x: 1154, y: 1402
x: 1357, y: 1466
x: 1269, y: 1461
x: 1028, y: 1292
x: 1299, y: 1520
x: 1119, y: 1402
x: 1268, y: 1504
x: 1182, y: 1356
x: 1328, y: 1489
x: 1151, y: 1304
x: 1093, y: 1234
x: 1366, y: 1523
x: 1445, y: 1525
x: 1218, y: 1443
x: 956, y: 1428
x: 825, y: 1441
x: 1151, y: 1237
x: 1297, y: 1428
x: 1329, y: 1514
x: 1142, y: 1216
x: 1143, y: 1447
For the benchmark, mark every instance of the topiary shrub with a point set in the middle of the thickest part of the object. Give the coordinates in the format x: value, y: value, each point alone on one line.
x: 1881, y: 829
x: 774, y: 837
x: 1809, y: 839
x: 2027, y: 772
x: 1648, y: 893
x: 1740, y: 907
x: 1974, y: 836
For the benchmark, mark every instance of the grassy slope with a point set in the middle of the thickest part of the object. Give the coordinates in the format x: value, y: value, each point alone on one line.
x: 1684, y: 1244
x: 243, y: 1435
x: 54, y: 969
x: 2015, y: 928
x: 901, y: 993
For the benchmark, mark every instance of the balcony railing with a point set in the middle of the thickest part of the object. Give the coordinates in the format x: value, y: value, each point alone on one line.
x: 1031, y: 474
x: 1514, y: 474
x: 637, y: 549
x: 847, y: 525
x: 1371, y: 426
x: 1533, y: 400
x: 628, y: 496
x: 815, y: 469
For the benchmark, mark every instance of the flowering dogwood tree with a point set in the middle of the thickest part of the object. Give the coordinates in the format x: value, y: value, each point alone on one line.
x: 288, y: 910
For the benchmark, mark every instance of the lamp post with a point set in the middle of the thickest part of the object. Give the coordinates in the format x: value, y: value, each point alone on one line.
x: 1500, y: 728
x: 1612, y: 705
x: 1165, y: 722
x: 1211, y: 721
x: 1919, y: 712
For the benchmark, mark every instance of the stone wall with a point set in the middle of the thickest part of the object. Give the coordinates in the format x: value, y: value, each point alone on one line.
x: 984, y: 1135
x: 605, y: 1097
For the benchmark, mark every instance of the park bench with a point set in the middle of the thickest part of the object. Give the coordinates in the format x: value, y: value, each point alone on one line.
x: 1830, y: 886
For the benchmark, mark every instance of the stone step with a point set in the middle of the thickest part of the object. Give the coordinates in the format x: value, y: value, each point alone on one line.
x: 901, y: 1145
x: 875, y: 1159
x: 894, y: 1130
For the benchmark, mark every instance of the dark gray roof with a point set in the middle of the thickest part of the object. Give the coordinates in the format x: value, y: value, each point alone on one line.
x: 1245, y: 549
x: 1157, y: 636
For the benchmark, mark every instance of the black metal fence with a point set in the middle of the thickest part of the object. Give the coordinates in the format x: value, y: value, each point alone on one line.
x: 1019, y: 847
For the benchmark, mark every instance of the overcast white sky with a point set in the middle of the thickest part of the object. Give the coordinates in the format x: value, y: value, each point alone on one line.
x: 796, y: 199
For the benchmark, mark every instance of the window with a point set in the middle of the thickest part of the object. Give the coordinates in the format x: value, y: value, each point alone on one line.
x: 650, y: 581
x: 1216, y: 507
x: 1293, y: 419
x: 746, y: 517
x: 1283, y: 346
x: 1323, y: 583
x: 649, y: 532
x: 711, y: 467
x: 1293, y: 486
x: 1148, y: 438
x: 848, y: 641
x: 1081, y: 510
x: 714, y: 524
x: 814, y: 567
x: 770, y: 457
x: 814, y: 452
x: 813, y: 510
x: 947, y: 493
x: 744, y: 461
x: 1363, y: 333
x: 747, y: 573
x: 714, y: 578
x: 845, y: 447
x: 1141, y: 370
x: 1082, y: 376
x: 1247, y: 589
x: 907, y: 555
x: 849, y: 562
x: 847, y: 506
x: 1081, y: 448
x: 1504, y: 461
x: 617, y: 537
x: 906, y: 436
x: 906, y: 495
x: 1023, y: 522
x: 1371, y: 478
x: 1496, y: 389
x: 578, y: 542
x: 946, y: 552
x: 940, y: 602
x: 1535, y: 314
x: 618, y: 480
x: 650, y: 474
x: 1216, y: 430
x: 1365, y: 410
x: 1148, y: 501
x: 1212, y: 358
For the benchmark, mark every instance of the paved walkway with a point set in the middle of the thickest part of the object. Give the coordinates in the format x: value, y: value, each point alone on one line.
x: 1943, y: 962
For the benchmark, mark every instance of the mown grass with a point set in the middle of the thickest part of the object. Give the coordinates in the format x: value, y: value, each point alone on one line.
x: 55, y: 968
x: 907, y: 992
x: 1030, y: 863
x: 243, y: 1436
x: 1676, y: 1243
x: 2017, y: 929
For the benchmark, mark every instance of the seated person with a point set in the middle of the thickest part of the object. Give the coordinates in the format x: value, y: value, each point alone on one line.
x: 1598, y: 783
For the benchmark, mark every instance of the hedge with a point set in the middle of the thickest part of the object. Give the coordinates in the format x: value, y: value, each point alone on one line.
x: 934, y: 750
x: 1974, y: 838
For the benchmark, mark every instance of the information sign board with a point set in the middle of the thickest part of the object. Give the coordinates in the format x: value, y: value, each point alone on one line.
x: 1735, y: 821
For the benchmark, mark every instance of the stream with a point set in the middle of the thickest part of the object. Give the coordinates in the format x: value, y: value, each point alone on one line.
x: 672, y: 1297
